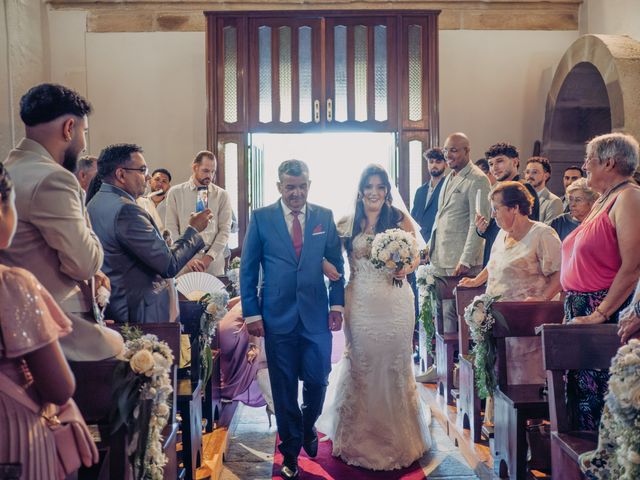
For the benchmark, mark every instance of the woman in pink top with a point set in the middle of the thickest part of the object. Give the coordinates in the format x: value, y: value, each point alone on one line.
x: 600, y: 260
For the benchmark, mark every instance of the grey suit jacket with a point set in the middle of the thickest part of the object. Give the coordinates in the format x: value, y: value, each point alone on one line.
x: 137, y: 259
x: 54, y: 241
x: 550, y: 206
x: 454, y: 239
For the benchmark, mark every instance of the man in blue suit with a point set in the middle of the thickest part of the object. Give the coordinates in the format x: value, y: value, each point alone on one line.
x: 425, y: 201
x: 289, y: 240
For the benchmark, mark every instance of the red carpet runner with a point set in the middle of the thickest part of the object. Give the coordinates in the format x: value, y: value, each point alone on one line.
x: 327, y: 467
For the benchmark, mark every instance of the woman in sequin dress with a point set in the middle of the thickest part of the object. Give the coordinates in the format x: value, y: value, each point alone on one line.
x: 30, y: 356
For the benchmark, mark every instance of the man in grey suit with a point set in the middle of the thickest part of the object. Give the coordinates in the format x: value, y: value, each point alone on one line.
x: 537, y: 175
x: 454, y: 248
x: 137, y: 260
x: 54, y: 240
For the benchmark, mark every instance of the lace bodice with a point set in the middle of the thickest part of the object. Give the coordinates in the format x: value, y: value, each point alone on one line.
x: 360, y: 259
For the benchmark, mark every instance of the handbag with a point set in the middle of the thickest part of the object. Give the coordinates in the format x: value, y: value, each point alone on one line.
x: 74, y: 445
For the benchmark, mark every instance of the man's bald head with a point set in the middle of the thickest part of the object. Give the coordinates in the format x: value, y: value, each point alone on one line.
x: 456, y: 150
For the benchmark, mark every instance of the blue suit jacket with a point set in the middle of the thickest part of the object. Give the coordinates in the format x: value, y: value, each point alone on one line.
x: 136, y: 257
x: 426, y: 216
x: 293, y: 290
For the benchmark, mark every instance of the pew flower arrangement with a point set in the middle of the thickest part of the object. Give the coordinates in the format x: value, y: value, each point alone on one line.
x: 481, y: 317
x: 233, y: 274
x: 142, y: 398
x: 394, y: 250
x: 215, y: 308
x: 426, y: 281
x: 618, y: 452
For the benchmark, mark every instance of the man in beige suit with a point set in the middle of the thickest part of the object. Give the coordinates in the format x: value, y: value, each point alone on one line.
x: 454, y: 248
x: 182, y: 201
x: 54, y: 239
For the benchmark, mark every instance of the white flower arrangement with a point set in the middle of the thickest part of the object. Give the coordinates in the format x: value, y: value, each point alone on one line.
x: 142, y: 400
x: 394, y: 250
x: 426, y: 282
x: 215, y: 310
x: 480, y: 317
x: 618, y: 453
x: 233, y: 274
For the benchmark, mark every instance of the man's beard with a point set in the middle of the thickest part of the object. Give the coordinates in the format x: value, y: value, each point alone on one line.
x: 436, y: 173
x: 70, y: 161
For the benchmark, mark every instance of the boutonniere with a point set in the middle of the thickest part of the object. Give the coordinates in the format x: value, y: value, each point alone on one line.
x: 318, y: 230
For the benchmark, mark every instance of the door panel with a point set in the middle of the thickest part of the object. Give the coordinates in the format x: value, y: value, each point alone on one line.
x: 285, y: 65
x: 360, y: 67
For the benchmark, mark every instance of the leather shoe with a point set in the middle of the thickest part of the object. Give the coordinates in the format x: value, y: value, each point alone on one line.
x: 311, y: 446
x: 289, y: 469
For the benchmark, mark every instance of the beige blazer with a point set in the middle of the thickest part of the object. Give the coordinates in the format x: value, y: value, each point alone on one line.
x: 54, y: 241
x: 551, y: 205
x: 454, y: 239
x: 181, y: 203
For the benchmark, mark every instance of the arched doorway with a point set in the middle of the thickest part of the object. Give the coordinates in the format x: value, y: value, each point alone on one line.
x: 596, y: 90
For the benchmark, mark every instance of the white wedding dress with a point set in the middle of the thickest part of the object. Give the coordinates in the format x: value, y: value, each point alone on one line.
x: 372, y: 411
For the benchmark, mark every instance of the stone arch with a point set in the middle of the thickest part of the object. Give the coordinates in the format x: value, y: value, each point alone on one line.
x: 595, y: 90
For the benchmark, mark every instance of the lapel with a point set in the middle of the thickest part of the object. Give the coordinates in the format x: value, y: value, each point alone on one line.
x: 280, y: 225
x: 309, y: 224
x: 447, y: 194
x: 434, y: 194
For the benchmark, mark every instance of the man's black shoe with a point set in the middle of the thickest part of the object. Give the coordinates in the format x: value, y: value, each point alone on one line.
x: 311, y: 446
x: 289, y: 469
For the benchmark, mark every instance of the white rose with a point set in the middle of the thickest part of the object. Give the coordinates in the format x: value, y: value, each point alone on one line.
x: 142, y: 362
x: 212, y: 308
x: 634, y: 396
x: 633, y: 457
x: 160, y: 360
x: 478, y: 315
x: 384, y: 255
x: 162, y: 409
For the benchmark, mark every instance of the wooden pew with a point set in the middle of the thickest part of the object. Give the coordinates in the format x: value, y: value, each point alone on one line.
x: 446, y: 343
x: 94, y: 397
x: 190, y: 391
x: 573, y: 347
x: 516, y: 402
x: 468, y: 404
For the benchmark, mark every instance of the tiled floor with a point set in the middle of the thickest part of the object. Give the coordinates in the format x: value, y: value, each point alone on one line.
x: 250, y: 455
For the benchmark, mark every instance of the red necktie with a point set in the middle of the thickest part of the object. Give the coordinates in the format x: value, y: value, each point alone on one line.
x: 296, y: 233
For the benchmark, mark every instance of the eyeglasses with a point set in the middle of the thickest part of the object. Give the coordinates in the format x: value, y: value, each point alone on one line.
x: 143, y: 170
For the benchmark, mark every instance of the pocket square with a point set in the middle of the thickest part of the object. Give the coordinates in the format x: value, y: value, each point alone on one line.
x: 318, y: 230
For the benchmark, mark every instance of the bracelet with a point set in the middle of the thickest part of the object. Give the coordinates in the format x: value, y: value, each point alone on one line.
x: 601, y: 313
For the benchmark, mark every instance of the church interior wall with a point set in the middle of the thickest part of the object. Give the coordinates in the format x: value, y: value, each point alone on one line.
x: 149, y: 87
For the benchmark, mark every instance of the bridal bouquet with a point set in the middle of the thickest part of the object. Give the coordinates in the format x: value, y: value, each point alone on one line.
x: 426, y: 281
x: 618, y: 453
x: 142, y: 400
x: 394, y: 250
x: 480, y: 317
x: 215, y: 308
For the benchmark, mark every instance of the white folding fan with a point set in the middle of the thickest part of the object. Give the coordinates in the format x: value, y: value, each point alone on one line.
x: 195, y: 285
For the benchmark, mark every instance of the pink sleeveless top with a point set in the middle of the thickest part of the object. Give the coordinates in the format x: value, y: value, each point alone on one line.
x: 590, y: 255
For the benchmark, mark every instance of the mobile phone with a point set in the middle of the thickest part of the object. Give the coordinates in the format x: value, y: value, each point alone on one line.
x: 202, y: 199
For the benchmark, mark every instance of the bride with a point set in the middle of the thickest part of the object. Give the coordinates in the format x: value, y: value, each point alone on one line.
x: 375, y: 419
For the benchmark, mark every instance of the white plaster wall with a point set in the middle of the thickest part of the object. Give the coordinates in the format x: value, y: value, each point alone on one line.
x: 612, y: 17
x: 24, y: 62
x: 494, y: 84
x: 149, y: 89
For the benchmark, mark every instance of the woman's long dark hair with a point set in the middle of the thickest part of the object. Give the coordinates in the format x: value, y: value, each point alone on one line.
x: 389, y: 217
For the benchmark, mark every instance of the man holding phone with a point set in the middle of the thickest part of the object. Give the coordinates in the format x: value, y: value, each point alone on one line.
x: 195, y: 195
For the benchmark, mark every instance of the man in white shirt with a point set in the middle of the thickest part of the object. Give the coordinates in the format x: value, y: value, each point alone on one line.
x: 182, y: 201
x: 537, y: 175
x: 153, y: 202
